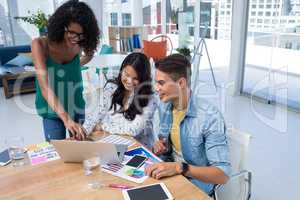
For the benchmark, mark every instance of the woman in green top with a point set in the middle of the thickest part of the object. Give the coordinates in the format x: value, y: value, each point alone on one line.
x: 72, y: 38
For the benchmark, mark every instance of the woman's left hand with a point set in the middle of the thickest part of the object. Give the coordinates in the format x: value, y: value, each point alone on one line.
x: 96, y: 135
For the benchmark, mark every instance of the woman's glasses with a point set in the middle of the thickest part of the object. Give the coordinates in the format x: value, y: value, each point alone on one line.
x: 74, y: 35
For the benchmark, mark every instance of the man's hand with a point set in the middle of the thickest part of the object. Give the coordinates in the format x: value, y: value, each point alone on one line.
x: 164, y: 169
x: 160, y: 147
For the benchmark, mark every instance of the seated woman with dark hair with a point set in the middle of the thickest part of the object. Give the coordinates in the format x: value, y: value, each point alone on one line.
x: 128, y: 102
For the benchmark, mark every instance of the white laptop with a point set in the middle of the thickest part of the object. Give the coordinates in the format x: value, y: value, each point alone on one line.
x: 77, y: 151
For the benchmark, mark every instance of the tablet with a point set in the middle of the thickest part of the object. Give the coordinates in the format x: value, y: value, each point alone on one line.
x: 156, y: 191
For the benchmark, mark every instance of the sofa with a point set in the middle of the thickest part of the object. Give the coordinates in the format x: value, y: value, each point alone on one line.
x: 7, y: 54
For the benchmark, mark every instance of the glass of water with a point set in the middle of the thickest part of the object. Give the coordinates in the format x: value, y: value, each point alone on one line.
x: 89, y: 165
x: 16, y: 150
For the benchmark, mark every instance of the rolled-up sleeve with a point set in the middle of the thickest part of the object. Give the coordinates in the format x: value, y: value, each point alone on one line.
x: 103, y: 105
x: 216, y: 143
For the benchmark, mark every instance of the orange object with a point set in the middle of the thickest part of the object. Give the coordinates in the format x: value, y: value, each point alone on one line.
x: 155, y: 50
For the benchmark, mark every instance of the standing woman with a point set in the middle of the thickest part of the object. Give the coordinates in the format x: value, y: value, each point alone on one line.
x: 73, y: 36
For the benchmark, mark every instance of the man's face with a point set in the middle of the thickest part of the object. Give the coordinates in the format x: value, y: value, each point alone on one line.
x: 166, y: 87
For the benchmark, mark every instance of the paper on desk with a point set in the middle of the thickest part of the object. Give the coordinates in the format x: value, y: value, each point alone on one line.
x: 129, y: 173
x: 116, y: 139
x: 41, y: 153
x: 143, y: 151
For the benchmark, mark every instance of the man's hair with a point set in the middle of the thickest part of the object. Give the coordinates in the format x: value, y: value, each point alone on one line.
x: 76, y: 12
x: 175, y: 65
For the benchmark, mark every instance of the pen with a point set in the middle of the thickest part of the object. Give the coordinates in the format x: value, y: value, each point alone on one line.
x: 119, y: 186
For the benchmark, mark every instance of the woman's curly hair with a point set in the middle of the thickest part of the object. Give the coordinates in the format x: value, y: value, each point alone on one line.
x: 76, y: 12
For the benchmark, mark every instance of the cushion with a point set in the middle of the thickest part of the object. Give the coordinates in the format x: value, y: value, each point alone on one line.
x: 26, y: 54
x: 20, y: 60
x: 155, y: 50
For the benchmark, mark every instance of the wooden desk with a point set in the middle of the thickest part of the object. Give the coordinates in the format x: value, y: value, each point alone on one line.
x: 59, y: 180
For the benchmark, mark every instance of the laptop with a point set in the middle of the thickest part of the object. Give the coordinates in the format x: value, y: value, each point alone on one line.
x: 77, y: 151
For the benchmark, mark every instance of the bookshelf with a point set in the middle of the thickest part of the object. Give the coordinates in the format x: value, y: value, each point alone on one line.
x: 121, y: 38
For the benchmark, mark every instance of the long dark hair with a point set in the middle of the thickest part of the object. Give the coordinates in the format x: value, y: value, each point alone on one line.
x: 140, y: 63
x: 76, y: 12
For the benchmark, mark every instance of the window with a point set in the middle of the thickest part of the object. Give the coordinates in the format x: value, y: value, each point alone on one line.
x: 269, y: 64
x: 288, y: 45
x: 126, y: 19
x: 17, y: 32
x: 114, y: 19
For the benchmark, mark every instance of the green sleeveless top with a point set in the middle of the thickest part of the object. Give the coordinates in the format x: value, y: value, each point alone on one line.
x: 66, y: 82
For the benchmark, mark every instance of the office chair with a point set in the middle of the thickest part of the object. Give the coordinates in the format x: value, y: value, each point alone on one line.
x: 239, y: 185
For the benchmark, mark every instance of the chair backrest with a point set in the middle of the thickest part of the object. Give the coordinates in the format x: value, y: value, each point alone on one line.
x: 235, y: 188
x: 158, y: 47
x: 239, y: 145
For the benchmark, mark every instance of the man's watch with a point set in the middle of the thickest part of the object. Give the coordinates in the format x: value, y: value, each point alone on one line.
x: 184, y: 168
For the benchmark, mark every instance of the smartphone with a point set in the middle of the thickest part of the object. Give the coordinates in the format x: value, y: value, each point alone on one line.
x: 136, y: 161
x: 4, y: 158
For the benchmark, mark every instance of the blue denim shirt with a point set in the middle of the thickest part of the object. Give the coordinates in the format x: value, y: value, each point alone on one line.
x: 202, y: 135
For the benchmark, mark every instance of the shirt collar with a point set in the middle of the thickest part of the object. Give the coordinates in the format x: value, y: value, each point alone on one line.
x: 191, y: 108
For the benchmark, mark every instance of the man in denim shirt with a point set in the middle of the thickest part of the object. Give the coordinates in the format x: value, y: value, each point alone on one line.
x: 192, y: 131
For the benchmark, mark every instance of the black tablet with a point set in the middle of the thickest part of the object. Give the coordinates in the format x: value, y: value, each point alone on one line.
x: 156, y: 191
x: 136, y: 161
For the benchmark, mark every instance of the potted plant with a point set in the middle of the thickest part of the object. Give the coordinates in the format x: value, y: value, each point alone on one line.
x: 40, y: 20
x: 185, y: 51
x: 174, y: 16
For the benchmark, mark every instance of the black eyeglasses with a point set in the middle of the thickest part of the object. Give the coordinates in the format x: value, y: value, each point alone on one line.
x: 74, y: 35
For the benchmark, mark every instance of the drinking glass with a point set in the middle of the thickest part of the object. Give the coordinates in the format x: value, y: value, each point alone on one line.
x: 89, y: 166
x: 16, y: 150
